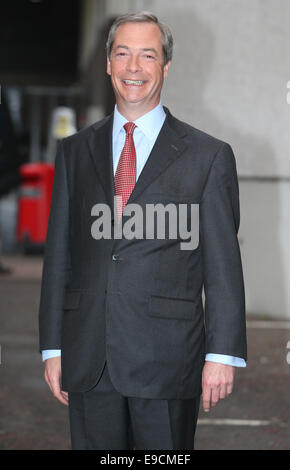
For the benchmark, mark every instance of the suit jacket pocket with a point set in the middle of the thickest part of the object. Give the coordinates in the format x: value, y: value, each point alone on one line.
x: 172, y: 308
x: 71, y: 300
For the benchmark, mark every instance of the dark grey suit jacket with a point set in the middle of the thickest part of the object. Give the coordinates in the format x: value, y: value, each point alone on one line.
x: 137, y: 304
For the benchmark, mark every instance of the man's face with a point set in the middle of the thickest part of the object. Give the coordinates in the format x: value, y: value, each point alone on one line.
x: 136, y: 65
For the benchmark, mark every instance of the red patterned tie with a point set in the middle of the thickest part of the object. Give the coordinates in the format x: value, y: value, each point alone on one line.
x: 125, y: 177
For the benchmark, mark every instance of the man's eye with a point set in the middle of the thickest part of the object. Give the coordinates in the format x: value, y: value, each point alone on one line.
x: 121, y: 53
x: 149, y: 57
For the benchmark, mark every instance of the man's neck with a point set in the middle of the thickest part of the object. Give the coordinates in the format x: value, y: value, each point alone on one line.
x: 132, y: 112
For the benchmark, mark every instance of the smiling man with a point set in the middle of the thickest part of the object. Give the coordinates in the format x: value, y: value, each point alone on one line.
x: 126, y: 339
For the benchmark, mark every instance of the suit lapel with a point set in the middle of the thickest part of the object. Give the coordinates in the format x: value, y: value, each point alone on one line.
x: 100, y: 145
x: 168, y: 147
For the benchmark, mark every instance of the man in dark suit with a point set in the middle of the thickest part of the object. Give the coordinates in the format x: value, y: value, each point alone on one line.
x: 122, y: 322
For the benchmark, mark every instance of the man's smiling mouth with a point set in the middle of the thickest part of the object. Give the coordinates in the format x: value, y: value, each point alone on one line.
x: 134, y: 82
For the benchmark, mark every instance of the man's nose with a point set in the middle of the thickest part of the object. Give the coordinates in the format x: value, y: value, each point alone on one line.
x: 133, y: 64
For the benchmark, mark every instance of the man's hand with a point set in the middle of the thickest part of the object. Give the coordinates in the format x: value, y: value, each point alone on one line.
x: 52, y: 374
x: 217, y: 383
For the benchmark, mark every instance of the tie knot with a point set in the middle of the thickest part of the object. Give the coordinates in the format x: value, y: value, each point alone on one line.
x: 129, y: 127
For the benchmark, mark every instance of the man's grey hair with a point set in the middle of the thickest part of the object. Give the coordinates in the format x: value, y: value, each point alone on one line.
x: 143, y: 17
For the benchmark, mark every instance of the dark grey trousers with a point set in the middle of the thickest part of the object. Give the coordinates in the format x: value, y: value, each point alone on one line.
x: 103, y: 419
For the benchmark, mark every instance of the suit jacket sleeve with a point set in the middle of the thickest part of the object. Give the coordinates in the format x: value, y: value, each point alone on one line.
x: 56, y: 266
x: 223, y: 277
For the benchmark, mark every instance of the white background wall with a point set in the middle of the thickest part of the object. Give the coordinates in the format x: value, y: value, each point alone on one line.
x: 229, y: 75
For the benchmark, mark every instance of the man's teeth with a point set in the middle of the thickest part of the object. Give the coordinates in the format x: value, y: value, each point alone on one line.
x: 134, y: 82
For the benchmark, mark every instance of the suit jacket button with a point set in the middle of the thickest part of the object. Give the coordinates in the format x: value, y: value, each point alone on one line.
x: 115, y: 257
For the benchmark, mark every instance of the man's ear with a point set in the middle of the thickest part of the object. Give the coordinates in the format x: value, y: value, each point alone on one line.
x: 166, y: 68
x: 108, y: 66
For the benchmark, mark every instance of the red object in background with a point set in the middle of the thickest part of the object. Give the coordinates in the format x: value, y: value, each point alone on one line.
x: 34, y: 203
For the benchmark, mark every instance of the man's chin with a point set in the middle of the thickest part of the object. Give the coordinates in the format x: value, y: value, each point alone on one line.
x: 133, y: 99
x: 134, y: 94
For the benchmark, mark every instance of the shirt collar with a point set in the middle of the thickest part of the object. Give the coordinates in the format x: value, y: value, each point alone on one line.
x: 150, y: 123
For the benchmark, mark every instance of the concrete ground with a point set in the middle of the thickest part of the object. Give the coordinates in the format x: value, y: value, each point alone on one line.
x: 255, y: 416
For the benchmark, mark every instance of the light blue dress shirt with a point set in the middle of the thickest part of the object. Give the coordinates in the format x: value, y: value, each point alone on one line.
x: 145, y: 135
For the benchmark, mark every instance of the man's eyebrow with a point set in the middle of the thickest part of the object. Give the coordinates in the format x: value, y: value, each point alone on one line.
x: 144, y: 49
x: 123, y: 47
x: 149, y: 49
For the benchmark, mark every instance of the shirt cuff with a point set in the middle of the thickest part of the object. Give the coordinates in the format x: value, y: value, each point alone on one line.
x: 48, y: 353
x: 224, y: 359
